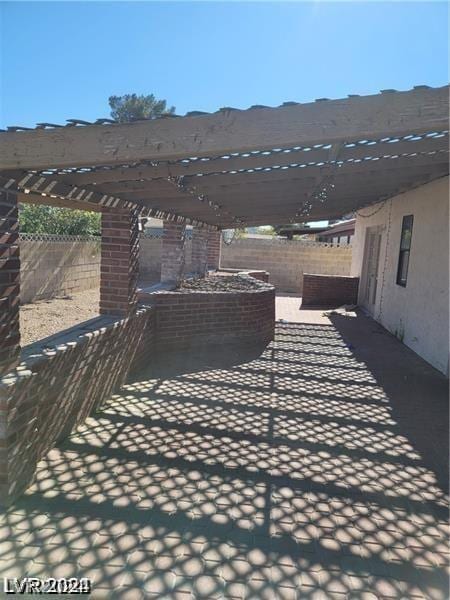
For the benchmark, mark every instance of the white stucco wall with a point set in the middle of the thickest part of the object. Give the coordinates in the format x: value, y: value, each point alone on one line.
x: 418, y: 313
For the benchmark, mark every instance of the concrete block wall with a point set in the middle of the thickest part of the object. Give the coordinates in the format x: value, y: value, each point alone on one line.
x: 57, y: 266
x: 61, y: 266
x: 55, y: 389
x: 287, y: 261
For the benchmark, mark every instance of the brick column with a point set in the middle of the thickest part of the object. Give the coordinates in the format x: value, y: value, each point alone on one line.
x: 199, y: 250
x: 119, y: 262
x: 214, y: 249
x: 173, y: 252
x: 9, y: 281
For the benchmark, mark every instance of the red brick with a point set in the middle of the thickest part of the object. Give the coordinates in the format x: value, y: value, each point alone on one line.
x: 329, y: 290
x: 9, y: 281
x: 214, y: 249
x: 119, y: 262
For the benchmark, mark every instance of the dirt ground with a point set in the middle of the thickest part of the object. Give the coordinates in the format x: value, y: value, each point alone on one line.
x: 42, y: 318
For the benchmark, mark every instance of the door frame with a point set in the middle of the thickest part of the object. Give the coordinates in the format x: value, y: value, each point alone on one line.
x: 364, y: 303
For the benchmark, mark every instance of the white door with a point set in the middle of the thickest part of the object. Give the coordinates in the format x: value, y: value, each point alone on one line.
x: 370, y: 268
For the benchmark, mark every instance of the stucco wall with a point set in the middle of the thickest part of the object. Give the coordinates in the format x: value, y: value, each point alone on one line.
x: 417, y: 313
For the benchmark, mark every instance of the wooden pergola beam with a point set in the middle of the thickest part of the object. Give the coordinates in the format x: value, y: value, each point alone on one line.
x: 276, y: 200
x: 49, y: 192
x: 252, y: 161
x: 58, y: 202
x: 380, y: 168
x: 356, y: 118
x: 277, y: 194
x: 279, y: 180
x: 334, y: 207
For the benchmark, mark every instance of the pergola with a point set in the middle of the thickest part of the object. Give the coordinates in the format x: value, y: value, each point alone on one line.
x: 230, y: 169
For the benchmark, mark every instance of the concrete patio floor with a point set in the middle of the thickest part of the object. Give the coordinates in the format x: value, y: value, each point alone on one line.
x: 313, y: 468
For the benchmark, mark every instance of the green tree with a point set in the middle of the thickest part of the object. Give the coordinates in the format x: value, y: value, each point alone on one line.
x: 37, y: 218
x: 267, y: 230
x: 132, y: 107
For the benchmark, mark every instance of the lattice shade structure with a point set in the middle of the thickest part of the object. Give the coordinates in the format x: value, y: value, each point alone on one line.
x: 237, y: 168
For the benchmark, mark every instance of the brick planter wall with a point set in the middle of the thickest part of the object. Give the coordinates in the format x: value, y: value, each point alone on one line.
x: 256, y: 274
x: 62, y: 379
x: 261, y: 275
x: 329, y: 290
x: 55, y: 390
x: 188, y: 319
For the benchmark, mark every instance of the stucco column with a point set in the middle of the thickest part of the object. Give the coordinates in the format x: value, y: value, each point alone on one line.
x: 9, y: 281
x: 200, y: 250
x: 214, y: 249
x: 173, y: 252
x: 119, y: 262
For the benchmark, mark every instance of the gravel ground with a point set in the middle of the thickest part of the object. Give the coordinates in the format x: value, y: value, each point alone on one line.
x: 42, y: 318
x: 233, y: 283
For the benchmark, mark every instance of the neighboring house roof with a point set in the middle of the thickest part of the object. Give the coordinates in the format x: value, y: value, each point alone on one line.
x: 341, y: 227
x: 238, y: 168
x: 289, y: 231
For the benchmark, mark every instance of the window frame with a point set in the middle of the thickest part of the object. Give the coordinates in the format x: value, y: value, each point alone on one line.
x: 405, y: 250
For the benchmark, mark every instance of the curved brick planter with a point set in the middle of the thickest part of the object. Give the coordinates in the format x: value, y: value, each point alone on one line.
x: 191, y: 318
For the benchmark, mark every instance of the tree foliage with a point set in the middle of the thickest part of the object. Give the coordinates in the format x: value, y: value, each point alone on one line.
x: 37, y: 218
x: 267, y: 230
x: 132, y: 107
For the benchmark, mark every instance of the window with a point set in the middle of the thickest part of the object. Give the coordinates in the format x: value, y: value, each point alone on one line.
x: 405, y: 247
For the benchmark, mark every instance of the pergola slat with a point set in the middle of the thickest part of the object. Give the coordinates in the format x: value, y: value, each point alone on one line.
x: 54, y: 201
x: 279, y: 178
x: 253, y: 161
x: 46, y: 191
x: 367, y: 117
x: 210, y: 184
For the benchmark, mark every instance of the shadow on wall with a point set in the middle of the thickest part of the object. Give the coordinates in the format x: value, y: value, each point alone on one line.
x: 60, y: 381
x: 51, y: 268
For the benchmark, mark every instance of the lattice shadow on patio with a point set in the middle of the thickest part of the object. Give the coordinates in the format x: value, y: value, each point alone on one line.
x: 281, y: 473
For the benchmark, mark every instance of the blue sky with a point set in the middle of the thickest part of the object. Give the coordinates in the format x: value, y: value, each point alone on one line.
x: 62, y: 60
